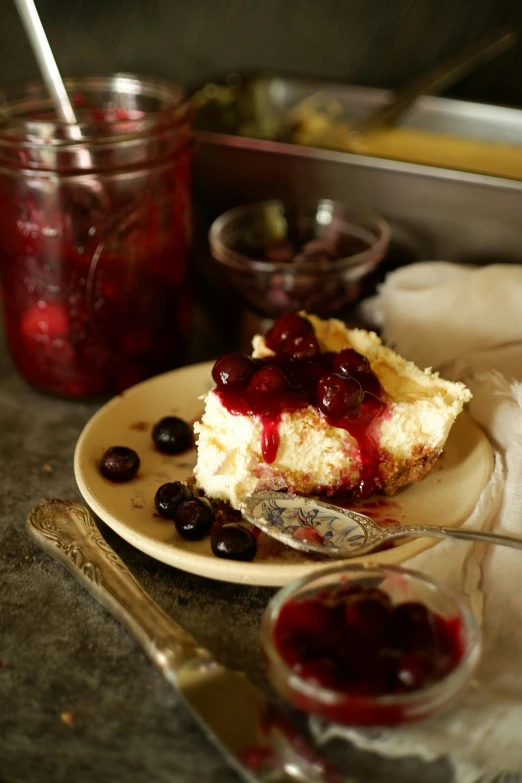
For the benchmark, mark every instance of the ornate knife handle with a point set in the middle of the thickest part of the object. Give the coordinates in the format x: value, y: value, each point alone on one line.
x: 67, y: 531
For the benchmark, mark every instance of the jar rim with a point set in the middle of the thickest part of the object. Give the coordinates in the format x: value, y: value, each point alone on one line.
x: 174, y: 108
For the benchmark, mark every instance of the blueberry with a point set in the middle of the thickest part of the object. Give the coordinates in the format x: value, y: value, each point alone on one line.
x: 169, y: 497
x: 234, y: 542
x: 172, y: 435
x: 194, y: 518
x: 119, y: 463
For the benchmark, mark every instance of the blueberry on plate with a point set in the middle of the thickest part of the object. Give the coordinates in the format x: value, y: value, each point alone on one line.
x: 194, y: 518
x: 172, y: 435
x: 234, y: 542
x: 169, y: 497
x: 119, y: 464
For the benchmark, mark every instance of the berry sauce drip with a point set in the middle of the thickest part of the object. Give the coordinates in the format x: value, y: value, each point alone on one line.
x: 341, y: 386
x: 354, y: 641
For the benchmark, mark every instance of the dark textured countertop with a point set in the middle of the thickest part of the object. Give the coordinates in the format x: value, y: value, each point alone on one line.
x: 79, y: 701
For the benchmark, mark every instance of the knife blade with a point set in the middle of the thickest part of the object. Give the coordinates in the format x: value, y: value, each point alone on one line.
x: 257, y: 740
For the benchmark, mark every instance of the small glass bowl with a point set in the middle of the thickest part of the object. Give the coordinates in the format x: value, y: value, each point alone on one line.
x: 361, y: 710
x: 274, y: 287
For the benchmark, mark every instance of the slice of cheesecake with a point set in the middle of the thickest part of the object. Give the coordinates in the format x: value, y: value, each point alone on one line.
x: 320, y: 409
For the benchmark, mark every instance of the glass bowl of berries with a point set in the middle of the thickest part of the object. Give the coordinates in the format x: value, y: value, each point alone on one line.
x: 369, y: 645
x: 281, y: 257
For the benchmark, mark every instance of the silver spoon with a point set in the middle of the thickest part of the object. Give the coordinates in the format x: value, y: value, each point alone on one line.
x: 314, y: 526
x: 55, y: 85
x: 439, y: 78
x: 46, y: 62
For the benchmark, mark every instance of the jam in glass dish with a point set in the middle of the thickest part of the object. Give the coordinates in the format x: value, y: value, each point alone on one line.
x: 282, y: 256
x: 95, y: 233
x: 369, y: 646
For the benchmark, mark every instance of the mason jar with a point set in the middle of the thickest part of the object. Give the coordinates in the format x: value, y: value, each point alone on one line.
x: 95, y: 228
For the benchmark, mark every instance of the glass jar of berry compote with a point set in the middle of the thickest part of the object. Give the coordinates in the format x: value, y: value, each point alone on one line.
x: 95, y: 226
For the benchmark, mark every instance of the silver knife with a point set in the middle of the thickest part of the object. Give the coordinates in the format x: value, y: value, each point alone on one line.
x: 257, y: 739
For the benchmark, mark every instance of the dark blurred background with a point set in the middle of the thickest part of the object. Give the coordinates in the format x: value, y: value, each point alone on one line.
x: 368, y: 42
x: 378, y: 43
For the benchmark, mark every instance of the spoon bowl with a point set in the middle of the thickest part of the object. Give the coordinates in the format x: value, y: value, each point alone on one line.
x: 314, y: 526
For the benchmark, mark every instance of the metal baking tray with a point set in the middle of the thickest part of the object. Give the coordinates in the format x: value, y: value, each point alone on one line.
x: 435, y: 212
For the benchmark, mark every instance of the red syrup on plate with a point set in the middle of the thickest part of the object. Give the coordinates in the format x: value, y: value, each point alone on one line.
x: 353, y: 642
x: 340, y: 386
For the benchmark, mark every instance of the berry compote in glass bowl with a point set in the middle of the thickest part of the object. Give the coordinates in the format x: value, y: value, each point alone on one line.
x: 369, y: 646
x: 281, y: 256
x: 95, y: 233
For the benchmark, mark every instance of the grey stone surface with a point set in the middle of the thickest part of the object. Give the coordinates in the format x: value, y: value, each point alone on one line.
x: 61, y: 652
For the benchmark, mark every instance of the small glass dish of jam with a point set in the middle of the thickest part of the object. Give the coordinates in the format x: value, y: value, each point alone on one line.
x: 369, y: 646
x: 282, y: 256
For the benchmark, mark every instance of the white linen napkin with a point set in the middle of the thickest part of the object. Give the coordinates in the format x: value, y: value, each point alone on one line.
x: 466, y: 322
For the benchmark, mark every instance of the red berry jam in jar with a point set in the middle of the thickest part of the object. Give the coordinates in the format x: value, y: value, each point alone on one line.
x: 370, y: 651
x: 95, y: 233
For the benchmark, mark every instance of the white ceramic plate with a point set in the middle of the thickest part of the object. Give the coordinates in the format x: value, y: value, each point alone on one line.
x: 445, y: 497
